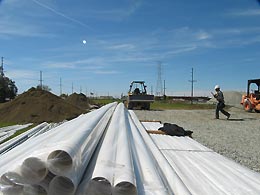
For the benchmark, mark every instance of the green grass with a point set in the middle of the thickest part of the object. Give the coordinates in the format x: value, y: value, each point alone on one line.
x: 163, y: 105
x: 160, y: 105
x: 18, y: 132
x: 102, y: 102
x: 6, y: 124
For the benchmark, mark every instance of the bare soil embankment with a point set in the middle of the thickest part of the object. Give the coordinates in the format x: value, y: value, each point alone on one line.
x: 37, y: 106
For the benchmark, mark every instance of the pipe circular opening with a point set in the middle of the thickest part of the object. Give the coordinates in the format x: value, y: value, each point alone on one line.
x: 61, y: 185
x: 60, y: 161
x: 33, y: 170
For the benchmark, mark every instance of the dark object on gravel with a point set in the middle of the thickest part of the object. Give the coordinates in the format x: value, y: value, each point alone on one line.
x: 174, y: 130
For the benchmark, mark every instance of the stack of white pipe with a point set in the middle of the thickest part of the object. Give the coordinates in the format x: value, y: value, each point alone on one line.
x: 6, y: 132
x: 149, y: 178
x: 54, y: 162
x: 113, y: 172
x: 104, y: 152
x: 170, y: 177
x: 5, y: 147
x: 124, y: 164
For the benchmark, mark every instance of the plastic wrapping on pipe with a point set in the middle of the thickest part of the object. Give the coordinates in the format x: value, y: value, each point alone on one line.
x: 113, y: 172
x: 6, y: 132
x: 5, y: 147
x: 174, y: 182
x: 38, y: 149
x: 40, y: 145
x: 148, y: 177
x: 68, y: 180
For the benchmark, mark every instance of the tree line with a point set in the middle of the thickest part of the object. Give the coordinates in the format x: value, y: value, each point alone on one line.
x: 8, y: 89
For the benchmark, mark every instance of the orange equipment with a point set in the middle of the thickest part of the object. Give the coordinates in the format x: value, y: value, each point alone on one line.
x: 251, y: 101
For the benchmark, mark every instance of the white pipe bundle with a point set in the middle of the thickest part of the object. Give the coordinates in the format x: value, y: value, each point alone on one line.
x: 148, y: 176
x: 14, y: 127
x: 113, y: 170
x: 6, y: 132
x: 70, y: 161
x: 66, y: 149
x: 5, y: 147
x: 174, y: 182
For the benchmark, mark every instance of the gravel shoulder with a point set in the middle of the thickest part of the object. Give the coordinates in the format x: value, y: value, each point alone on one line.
x: 237, y: 138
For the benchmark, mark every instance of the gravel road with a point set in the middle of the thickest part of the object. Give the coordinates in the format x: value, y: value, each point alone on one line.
x: 237, y: 138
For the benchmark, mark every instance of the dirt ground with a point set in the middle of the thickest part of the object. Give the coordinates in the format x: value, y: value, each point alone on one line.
x: 237, y: 138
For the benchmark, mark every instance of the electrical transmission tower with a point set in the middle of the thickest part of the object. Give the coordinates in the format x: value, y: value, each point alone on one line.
x: 159, y: 88
x: 192, y: 81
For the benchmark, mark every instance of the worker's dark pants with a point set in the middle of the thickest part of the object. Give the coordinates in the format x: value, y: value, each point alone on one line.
x: 220, y: 107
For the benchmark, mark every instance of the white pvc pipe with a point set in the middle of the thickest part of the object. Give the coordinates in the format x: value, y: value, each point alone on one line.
x: 148, y: 177
x: 46, y: 181
x: 34, y: 190
x: 95, y: 186
x: 61, y: 159
x: 40, y: 145
x: 124, y: 177
x: 9, y: 186
x: 173, y: 181
x: 62, y: 185
x: 33, y: 170
x: 114, y: 162
x: 77, y: 155
x: 5, y: 147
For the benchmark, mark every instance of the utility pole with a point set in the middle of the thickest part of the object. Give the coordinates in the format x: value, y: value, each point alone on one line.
x: 72, y: 88
x: 192, y: 81
x: 2, y: 68
x: 164, y: 87
x: 60, y: 87
x: 41, y: 79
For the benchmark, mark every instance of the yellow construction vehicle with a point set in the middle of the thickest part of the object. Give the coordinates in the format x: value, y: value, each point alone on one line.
x: 251, y: 101
x: 138, y: 97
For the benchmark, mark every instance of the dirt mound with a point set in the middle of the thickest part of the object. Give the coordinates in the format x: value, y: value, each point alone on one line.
x: 232, y: 98
x: 79, y: 100
x: 38, y: 106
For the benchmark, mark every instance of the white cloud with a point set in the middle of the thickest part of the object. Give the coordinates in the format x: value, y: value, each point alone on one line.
x: 22, y: 74
x: 248, y: 12
x: 122, y: 46
x: 203, y: 35
x: 117, y: 14
x: 8, y: 29
x: 106, y: 72
x: 180, y: 50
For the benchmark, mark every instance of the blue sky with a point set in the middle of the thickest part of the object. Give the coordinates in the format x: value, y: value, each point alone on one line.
x: 126, y: 40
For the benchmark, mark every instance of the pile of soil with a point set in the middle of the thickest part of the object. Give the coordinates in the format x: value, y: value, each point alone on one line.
x: 37, y: 106
x: 79, y: 100
x: 232, y: 98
